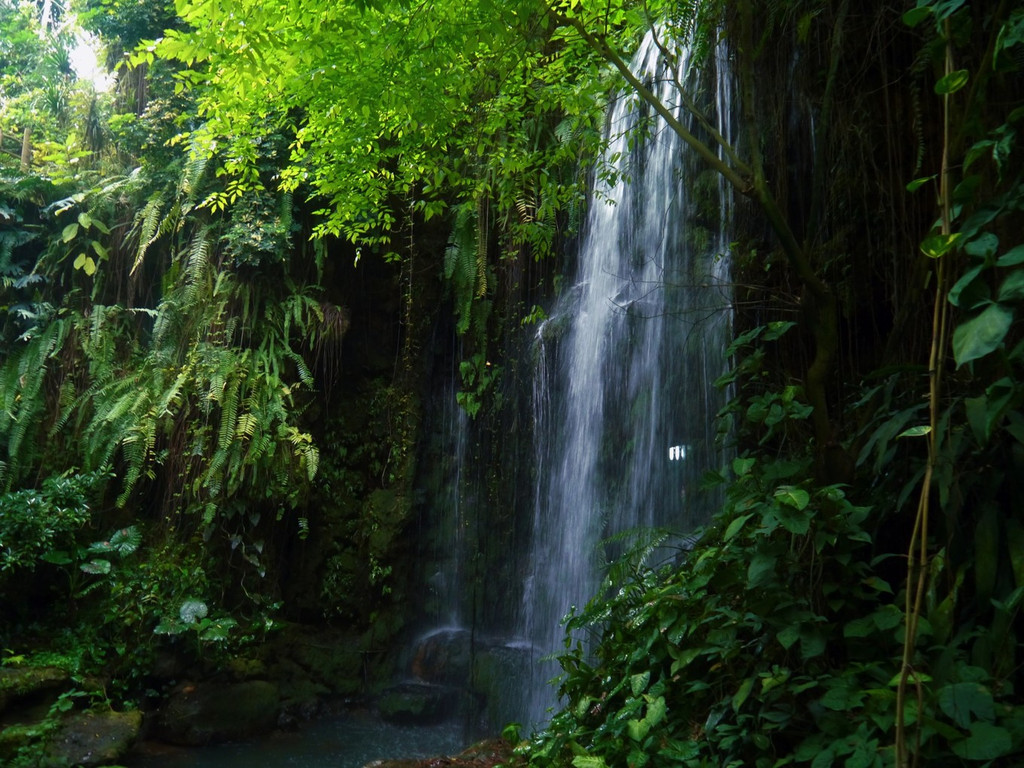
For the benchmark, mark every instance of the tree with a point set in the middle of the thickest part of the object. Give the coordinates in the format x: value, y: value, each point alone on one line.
x: 428, y: 103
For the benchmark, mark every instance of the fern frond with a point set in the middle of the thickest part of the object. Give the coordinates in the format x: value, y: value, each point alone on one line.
x: 192, y: 174
x: 147, y: 222
x: 229, y: 416
x: 196, y: 263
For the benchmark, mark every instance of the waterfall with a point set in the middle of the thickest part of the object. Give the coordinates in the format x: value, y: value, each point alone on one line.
x: 623, y: 402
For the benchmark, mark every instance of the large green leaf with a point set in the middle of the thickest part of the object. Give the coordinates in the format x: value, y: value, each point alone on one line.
x: 97, y: 567
x: 986, y: 742
x: 1012, y: 288
x: 794, y: 497
x: 981, y: 335
x: 965, y: 703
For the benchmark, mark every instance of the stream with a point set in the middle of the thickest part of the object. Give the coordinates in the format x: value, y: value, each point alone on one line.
x: 347, y: 741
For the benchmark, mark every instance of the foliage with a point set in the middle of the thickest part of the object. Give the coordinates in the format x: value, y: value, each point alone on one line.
x: 776, y: 639
x: 37, y: 523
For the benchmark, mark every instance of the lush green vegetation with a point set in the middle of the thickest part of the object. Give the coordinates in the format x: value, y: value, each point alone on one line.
x: 187, y: 457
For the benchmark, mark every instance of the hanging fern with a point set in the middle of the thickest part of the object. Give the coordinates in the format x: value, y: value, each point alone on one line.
x: 146, y: 228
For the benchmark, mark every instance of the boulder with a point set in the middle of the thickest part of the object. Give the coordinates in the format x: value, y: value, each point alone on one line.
x: 205, y: 713
x: 485, y: 754
x: 92, y: 738
x: 418, y: 704
x: 20, y: 683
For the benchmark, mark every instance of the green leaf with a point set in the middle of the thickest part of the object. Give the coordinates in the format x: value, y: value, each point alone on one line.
x: 85, y: 220
x: 656, y: 710
x: 924, y: 429
x: 1012, y: 288
x: 777, y: 329
x: 982, y: 334
x: 218, y: 630
x: 794, y: 497
x: 1012, y: 257
x: 762, y: 567
x: 735, y: 526
x: 126, y: 540
x: 742, y: 693
x: 812, y: 642
x: 915, y: 16
x: 638, y: 683
x: 788, y: 635
x: 589, y: 761
x: 916, y: 184
x: 96, y: 567
x: 99, y: 248
x: 984, y: 246
x: 986, y: 742
x: 864, y: 754
x: 742, y: 467
x: 972, y: 287
x: 964, y: 703
x: 935, y: 246
x: 952, y: 82
x: 638, y: 729
x: 69, y: 233
x: 824, y: 759
x: 56, y: 557
x: 80, y: 261
x: 89, y: 267
x: 168, y: 626
x: 794, y: 520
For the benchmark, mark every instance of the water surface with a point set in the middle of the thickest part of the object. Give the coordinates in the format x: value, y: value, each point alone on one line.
x: 349, y: 741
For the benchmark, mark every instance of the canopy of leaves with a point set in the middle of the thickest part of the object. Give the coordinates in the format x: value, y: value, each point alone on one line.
x: 428, y: 101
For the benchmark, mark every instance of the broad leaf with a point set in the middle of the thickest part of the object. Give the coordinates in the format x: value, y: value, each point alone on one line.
x: 1012, y: 257
x: 935, y: 246
x: 986, y: 742
x: 981, y: 335
x: 965, y: 703
x: 915, y: 16
x: 952, y: 82
x: 797, y: 498
x: 96, y: 567
x: 1012, y: 288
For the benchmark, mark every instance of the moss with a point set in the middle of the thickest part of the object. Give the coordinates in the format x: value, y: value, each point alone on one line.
x: 23, y: 682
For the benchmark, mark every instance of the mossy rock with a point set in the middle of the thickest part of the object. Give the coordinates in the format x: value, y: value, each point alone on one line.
x: 413, y: 704
x: 332, y: 659
x: 92, y: 738
x: 206, y: 713
x: 24, y: 682
x: 15, y: 737
x: 485, y: 754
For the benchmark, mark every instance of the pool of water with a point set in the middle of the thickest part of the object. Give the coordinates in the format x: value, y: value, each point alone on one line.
x: 349, y: 741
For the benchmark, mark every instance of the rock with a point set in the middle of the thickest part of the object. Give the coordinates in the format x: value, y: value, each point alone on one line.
x: 18, y: 683
x: 329, y: 657
x: 444, y: 657
x: 418, y: 704
x: 92, y: 738
x: 485, y: 754
x: 210, y: 712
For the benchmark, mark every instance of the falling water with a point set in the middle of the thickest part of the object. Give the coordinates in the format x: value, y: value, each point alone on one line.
x: 624, y: 406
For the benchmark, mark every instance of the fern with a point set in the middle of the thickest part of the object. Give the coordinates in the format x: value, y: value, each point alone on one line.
x: 192, y: 174
x: 197, y: 262
x: 146, y: 226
